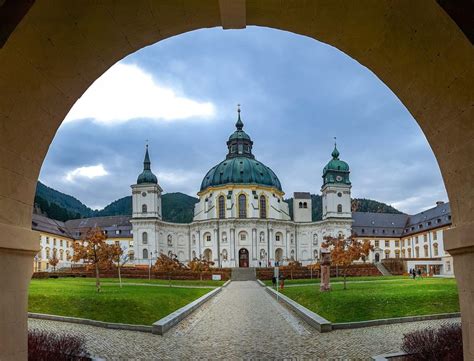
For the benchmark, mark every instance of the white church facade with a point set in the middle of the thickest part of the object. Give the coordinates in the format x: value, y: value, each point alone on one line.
x: 241, y: 219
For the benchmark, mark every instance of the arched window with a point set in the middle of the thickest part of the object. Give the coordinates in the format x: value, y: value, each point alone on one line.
x: 194, y: 240
x: 425, y: 250
x: 221, y: 207
x: 409, y: 252
x: 339, y: 208
x: 145, y: 253
x: 263, y: 207
x: 170, y: 240
x: 61, y: 255
x: 242, y: 206
x: 144, y: 238
x: 131, y: 255
x: 435, y: 249
x: 315, y: 239
x: 305, y: 205
x: 300, y: 205
x: 144, y: 208
x: 417, y: 252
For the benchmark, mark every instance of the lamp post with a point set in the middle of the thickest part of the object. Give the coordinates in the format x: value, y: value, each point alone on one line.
x: 149, y: 268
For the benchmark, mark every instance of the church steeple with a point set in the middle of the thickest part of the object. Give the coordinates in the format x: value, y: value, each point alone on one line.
x: 147, y: 175
x: 239, y: 125
x: 147, y: 162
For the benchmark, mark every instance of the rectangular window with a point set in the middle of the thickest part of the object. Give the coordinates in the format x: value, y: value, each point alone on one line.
x: 61, y: 242
x: 435, y: 236
x: 277, y: 238
x: 377, y: 243
x: 425, y: 238
x: 47, y: 240
x: 397, y: 244
x: 387, y: 243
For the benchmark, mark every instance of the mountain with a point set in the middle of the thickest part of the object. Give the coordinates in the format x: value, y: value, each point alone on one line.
x: 177, y: 207
x: 357, y: 204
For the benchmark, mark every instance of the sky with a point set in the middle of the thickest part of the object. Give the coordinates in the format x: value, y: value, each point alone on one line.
x: 296, y: 94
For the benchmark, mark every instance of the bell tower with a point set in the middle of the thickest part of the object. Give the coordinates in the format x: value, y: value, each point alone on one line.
x: 336, y: 189
x: 146, y: 194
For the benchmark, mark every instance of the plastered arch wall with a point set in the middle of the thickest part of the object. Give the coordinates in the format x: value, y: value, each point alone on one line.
x: 59, y: 48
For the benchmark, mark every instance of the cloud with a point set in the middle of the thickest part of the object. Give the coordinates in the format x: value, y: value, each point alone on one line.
x: 126, y: 92
x: 90, y: 172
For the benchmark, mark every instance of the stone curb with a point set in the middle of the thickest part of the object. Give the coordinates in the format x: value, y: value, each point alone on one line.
x: 313, y: 319
x: 85, y: 321
x: 261, y: 283
x: 226, y: 283
x: 387, y: 356
x: 389, y: 321
x: 161, y: 326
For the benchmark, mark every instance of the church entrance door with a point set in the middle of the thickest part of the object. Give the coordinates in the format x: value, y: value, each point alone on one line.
x: 243, y: 257
x: 377, y: 258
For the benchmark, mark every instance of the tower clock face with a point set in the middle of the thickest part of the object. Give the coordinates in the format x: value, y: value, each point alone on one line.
x: 338, y: 178
x: 144, y: 194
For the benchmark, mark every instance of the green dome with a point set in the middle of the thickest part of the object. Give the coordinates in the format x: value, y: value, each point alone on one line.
x: 147, y: 175
x: 337, y: 165
x: 336, y: 171
x: 240, y: 170
x: 240, y: 165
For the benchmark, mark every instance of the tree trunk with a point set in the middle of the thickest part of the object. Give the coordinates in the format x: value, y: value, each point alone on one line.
x: 120, y: 277
x: 97, y: 280
x: 345, y: 279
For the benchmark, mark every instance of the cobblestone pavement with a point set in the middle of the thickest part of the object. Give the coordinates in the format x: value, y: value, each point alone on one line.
x: 241, y: 322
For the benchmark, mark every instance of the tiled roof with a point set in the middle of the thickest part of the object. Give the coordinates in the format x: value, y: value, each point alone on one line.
x: 400, y: 225
x: 378, y: 224
x: 301, y: 195
x: 114, y: 226
x: 44, y: 224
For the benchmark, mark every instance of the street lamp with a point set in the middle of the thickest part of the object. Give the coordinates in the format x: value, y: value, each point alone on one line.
x: 149, y: 268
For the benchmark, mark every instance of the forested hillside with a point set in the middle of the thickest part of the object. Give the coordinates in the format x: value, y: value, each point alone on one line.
x: 177, y: 207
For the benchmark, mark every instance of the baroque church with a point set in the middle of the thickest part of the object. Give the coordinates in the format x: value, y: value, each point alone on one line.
x: 241, y: 219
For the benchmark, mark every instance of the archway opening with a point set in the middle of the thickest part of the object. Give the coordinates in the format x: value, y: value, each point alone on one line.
x: 243, y: 258
x: 405, y: 52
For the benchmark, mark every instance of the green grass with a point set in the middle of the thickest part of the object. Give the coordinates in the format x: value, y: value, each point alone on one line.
x: 289, y: 281
x: 379, y: 299
x: 77, y: 297
x: 177, y: 283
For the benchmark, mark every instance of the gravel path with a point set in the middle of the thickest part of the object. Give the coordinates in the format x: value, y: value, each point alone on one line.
x: 241, y: 322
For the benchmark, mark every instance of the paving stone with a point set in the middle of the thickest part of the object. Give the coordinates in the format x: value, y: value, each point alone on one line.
x: 241, y: 322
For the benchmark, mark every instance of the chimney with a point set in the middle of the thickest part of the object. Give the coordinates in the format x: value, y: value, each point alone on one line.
x: 438, y: 203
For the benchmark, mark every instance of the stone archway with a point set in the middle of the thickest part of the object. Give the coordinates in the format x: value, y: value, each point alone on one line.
x: 56, y: 51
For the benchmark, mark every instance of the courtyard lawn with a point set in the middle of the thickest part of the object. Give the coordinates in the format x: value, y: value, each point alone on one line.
x: 174, y: 283
x: 289, y: 281
x: 379, y: 299
x: 77, y: 297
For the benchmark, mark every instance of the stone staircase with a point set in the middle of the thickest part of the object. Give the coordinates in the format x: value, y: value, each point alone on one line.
x: 244, y: 274
x: 382, y: 269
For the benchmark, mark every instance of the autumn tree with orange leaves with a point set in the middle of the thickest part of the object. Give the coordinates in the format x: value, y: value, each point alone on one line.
x: 200, y: 265
x: 345, y: 251
x: 53, y: 261
x: 95, y: 252
x: 168, y: 264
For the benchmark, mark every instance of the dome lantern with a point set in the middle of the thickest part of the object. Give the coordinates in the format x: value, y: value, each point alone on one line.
x: 240, y: 165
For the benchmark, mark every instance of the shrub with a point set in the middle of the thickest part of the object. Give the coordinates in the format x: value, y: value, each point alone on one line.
x: 45, y: 346
x: 444, y: 344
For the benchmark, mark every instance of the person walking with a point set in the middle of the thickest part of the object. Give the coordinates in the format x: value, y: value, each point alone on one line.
x: 413, y: 273
x: 274, y: 281
x: 282, y: 281
x: 419, y: 273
